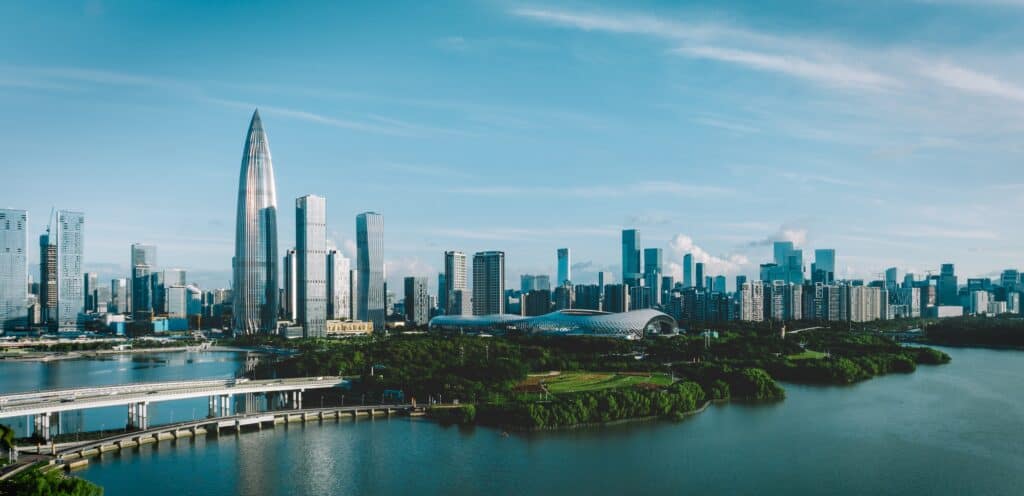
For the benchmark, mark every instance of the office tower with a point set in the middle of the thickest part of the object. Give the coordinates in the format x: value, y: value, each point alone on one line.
x: 118, y: 296
x: 143, y: 263
x: 527, y: 283
x: 603, y: 278
x: 311, y: 264
x: 718, y: 284
x: 534, y: 303
x: 417, y: 301
x: 588, y: 297
x: 255, y: 288
x: 667, y: 284
x: 564, y: 267
x: 948, y: 290
x: 175, y: 277
x: 1010, y: 279
x: 455, y: 279
x: 339, y: 291
x: 794, y: 267
x: 370, y: 263
x: 740, y: 279
x: 156, y: 292
x: 631, y: 257
x: 89, y: 282
x: 699, y: 274
x: 890, y: 278
x: 48, y: 277
x: 908, y: 280
x: 290, y: 305
x: 752, y: 301
x: 564, y: 297
x: 652, y: 274
x: 489, y: 283
x: 176, y: 299
x: 13, y: 269
x: 542, y: 281
x: 782, y: 249
x: 688, y: 270
x: 442, y: 293
x: 823, y: 270
x: 353, y: 299
x: 616, y: 298
x: 63, y: 272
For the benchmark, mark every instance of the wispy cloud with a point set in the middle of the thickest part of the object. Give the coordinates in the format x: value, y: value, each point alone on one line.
x: 963, y: 79
x: 667, y: 188
x: 725, y: 124
x: 822, y: 71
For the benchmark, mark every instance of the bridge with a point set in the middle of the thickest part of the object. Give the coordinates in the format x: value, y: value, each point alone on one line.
x: 43, y: 405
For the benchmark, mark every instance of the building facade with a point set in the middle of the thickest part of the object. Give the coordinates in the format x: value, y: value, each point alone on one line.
x: 13, y: 269
x: 488, y: 283
x: 311, y: 263
x: 254, y: 266
x: 370, y: 264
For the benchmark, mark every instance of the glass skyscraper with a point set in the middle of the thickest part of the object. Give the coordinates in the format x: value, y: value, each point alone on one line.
x: 255, y: 289
x: 370, y: 264
x: 564, y: 266
x: 823, y: 269
x: 70, y: 291
x: 652, y: 274
x: 455, y: 279
x: 13, y: 268
x: 311, y: 255
x: 631, y: 264
x: 688, y: 270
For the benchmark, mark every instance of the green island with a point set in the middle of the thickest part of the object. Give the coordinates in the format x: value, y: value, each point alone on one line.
x: 539, y: 383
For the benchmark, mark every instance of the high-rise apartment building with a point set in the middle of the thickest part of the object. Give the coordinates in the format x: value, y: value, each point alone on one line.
x: 417, y: 301
x: 370, y: 263
x: 488, y: 283
x: 752, y: 301
x: 456, y: 279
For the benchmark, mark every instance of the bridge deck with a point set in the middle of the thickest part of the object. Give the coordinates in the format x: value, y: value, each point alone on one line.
x: 52, y: 401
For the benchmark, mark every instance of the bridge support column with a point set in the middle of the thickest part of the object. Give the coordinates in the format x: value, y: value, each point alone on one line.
x: 131, y: 416
x: 298, y: 396
x: 213, y: 408
x: 143, y: 415
x: 42, y: 426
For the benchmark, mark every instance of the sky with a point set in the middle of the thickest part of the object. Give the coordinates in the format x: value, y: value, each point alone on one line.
x: 888, y: 130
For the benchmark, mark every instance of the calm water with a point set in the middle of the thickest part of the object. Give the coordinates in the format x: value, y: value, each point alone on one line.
x: 954, y: 429
x: 119, y: 369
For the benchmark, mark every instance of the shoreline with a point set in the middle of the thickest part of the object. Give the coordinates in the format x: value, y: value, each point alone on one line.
x: 49, y: 356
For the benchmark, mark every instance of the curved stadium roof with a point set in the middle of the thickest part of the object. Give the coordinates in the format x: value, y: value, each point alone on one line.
x: 625, y: 325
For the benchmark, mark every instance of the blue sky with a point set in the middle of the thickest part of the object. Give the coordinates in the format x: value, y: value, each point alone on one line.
x: 887, y: 130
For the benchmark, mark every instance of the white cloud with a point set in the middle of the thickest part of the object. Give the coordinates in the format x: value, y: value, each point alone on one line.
x: 682, y: 244
x: 971, y: 81
x: 669, y: 188
x: 823, y: 71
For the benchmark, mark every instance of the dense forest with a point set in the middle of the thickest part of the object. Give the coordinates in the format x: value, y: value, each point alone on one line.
x: 489, y: 373
x: 1000, y: 331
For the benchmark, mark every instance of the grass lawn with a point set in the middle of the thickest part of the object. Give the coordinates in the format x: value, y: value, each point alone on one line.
x: 807, y: 355
x: 568, y: 382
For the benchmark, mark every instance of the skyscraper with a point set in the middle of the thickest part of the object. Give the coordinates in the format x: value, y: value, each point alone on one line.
x: 652, y: 274
x: 70, y: 244
x: 48, y: 276
x: 255, y: 289
x: 143, y: 263
x: 290, y: 305
x: 564, y: 266
x: 338, y: 286
x: 417, y: 301
x: 89, y: 283
x: 782, y: 250
x: 948, y: 288
x: 823, y: 270
x: 688, y: 270
x: 488, y: 283
x: 370, y: 263
x: 13, y: 269
x: 699, y: 276
x: 311, y: 264
x: 631, y: 257
x: 455, y: 272
x: 118, y: 296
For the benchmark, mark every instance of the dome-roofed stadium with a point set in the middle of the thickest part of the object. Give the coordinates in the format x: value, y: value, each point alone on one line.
x: 626, y: 325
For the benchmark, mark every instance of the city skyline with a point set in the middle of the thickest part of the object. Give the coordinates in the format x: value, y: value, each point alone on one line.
x: 366, y: 140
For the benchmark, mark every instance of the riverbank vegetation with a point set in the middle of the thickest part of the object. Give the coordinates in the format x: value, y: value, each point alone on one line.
x: 1001, y: 331
x: 546, y: 382
x: 35, y: 482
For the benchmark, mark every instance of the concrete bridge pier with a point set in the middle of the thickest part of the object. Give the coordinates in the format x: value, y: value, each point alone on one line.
x: 213, y: 408
x: 41, y: 425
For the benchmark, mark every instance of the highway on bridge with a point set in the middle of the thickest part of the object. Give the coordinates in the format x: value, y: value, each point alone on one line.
x: 62, y: 400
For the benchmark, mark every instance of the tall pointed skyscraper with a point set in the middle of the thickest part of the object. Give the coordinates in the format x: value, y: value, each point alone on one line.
x: 255, y: 261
